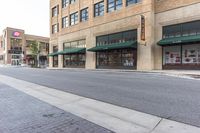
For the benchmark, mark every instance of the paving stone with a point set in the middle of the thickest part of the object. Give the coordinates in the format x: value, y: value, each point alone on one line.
x: 21, y: 113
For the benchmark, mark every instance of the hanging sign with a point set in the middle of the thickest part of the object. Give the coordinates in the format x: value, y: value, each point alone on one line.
x: 143, y: 28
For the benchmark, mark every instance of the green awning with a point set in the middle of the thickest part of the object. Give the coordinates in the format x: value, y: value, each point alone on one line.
x: 130, y: 44
x: 179, y: 40
x: 73, y: 51
x: 54, y: 54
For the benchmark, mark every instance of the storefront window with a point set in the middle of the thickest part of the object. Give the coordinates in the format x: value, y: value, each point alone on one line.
x: 122, y: 58
x: 74, y: 60
x: 191, y: 54
x: 172, y: 55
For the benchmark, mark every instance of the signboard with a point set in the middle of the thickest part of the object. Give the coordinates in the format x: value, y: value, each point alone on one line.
x: 143, y: 28
x: 16, y: 34
x: 14, y: 51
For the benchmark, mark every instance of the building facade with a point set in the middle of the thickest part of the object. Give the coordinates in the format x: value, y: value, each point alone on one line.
x: 125, y: 34
x: 15, y: 48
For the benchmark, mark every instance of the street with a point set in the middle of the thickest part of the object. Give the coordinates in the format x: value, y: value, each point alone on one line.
x: 164, y: 96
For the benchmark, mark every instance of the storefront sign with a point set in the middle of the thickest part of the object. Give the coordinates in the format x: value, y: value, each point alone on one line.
x: 143, y: 28
x: 16, y: 34
x: 14, y: 51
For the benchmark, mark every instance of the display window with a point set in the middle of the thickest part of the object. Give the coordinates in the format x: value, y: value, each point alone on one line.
x: 172, y: 55
x: 74, y: 60
x: 122, y: 58
x: 191, y: 54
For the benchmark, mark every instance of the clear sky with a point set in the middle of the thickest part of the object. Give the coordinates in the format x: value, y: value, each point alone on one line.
x: 29, y: 15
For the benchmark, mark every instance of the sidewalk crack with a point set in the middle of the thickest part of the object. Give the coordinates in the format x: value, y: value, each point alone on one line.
x: 156, y: 125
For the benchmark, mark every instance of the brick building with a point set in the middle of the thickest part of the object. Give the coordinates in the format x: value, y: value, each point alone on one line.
x: 125, y: 34
x: 15, y: 48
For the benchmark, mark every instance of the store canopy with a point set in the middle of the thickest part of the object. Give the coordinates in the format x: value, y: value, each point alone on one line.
x: 130, y: 44
x: 73, y: 51
x: 179, y: 40
x: 54, y: 54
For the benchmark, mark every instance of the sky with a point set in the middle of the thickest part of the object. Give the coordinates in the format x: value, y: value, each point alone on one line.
x: 29, y: 15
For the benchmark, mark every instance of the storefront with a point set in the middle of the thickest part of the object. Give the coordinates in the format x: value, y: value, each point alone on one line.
x: 181, y: 46
x: 74, y: 54
x: 116, y: 51
x: 16, y: 51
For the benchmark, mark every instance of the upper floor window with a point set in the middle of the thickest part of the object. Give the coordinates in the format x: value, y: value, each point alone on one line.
x: 74, y: 18
x: 99, y: 9
x: 65, y: 22
x: 114, y: 5
x: 130, y: 2
x: 55, y: 11
x: 65, y: 3
x: 184, y: 29
x: 84, y: 15
x: 72, y: 1
x: 55, y: 49
x: 55, y: 28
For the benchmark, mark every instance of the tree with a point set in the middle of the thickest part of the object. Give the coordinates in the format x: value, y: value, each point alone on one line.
x: 35, y: 50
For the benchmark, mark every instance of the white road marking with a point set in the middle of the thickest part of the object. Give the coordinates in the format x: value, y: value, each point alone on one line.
x: 115, y: 118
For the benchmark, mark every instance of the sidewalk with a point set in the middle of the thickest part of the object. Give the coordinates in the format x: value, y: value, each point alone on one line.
x: 21, y: 113
x: 179, y: 73
x: 115, y: 118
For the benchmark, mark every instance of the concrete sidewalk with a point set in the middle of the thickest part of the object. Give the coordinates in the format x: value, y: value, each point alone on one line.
x: 115, y: 118
x: 180, y: 73
x: 21, y: 113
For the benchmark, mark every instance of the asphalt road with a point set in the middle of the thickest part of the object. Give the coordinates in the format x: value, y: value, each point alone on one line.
x: 164, y: 96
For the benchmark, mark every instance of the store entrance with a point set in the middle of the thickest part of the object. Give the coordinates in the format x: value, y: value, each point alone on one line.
x: 16, y: 60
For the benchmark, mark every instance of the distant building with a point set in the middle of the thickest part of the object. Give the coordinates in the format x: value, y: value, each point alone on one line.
x: 15, y: 48
x: 125, y: 34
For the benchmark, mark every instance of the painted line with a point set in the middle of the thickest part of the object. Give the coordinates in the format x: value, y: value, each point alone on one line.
x: 115, y: 118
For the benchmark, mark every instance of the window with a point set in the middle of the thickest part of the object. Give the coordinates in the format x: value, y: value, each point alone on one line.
x: 55, y: 11
x: 114, y: 5
x: 54, y: 28
x: 74, y: 44
x: 121, y: 58
x: 72, y: 1
x: 74, y: 60
x: 65, y: 22
x: 130, y: 2
x: 172, y: 31
x: 99, y: 9
x: 172, y: 55
x: 191, y: 28
x: 117, y: 37
x: 55, y: 49
x: 84, y: 14
x: 65, y: 3
x: 74, y: 18
x: 184, y: 29
x: 191, y: 54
